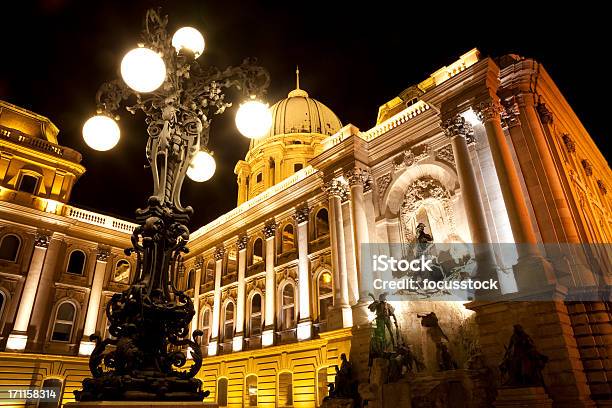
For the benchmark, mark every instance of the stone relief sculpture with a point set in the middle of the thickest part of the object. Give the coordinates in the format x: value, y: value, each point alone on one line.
x: 522, y: 364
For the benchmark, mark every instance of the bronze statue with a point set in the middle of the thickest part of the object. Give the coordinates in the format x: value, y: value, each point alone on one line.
x: 522, y: 364
x: 443, y: 356
x: 423, y: 239
x: 384, y: 311
x: 344, y: 384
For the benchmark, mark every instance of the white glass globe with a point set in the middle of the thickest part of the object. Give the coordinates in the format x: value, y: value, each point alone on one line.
x: 189, y: 38
x: 143, y: 70
x: 202, y: 167
x: 254, y: 119
x: 101, y: 133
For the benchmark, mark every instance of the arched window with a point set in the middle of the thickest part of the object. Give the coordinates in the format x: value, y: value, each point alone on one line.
x: 76, y: 262
x: 122, y: 271
x: 326, y: 294
x: 222, y: 392
x: 257, y: 251
x: 255, y: 319
x: 191, y: 279
x: 206, y: 326
x: 9, y: 247
x: 288, y: 307
x: 250, y: 390
x: 228, y: 321
x: 209, y: 276
x: 322, y: 223
x: 285, y: 389
x: 287, y: 238
x: 57, y: 385
x: 64, y: 322
x: 322, y: 385
x: 232, y: 262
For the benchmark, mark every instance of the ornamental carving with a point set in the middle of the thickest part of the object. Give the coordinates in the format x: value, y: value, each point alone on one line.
x: 301, y: 214
x: 242, y: 243
x: 445, y: 154
x: 259, y: 284
x: 545, y: 114
x: 570, y: 146
x: 510, y: 116
x: 423, y: 188
x: 457, y: 126
x: 602, y: 187
x: 102, y: 254
x: 289, y: 273
x: 335, y: 188
x: 199, y: 262
x: 411, y: 156
x: 41, y: 239
x: 588, y: 169
x: 219, y: 253
x: 358, y: 176
x: 269, y: 229
x: 490, y: 110
x: 383, y: 182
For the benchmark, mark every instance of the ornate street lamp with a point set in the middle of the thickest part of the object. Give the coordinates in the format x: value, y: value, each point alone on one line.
x: 149, y: 322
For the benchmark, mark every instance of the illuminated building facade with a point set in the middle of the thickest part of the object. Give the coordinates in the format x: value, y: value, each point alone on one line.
x: 484, y: 150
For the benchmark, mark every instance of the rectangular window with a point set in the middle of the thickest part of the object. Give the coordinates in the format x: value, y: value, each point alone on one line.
x: 28, y: 184
x: 297, y: 167
x: 259, y: 177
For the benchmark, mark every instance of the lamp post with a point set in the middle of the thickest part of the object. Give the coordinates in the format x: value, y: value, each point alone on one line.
x: 149, y: 322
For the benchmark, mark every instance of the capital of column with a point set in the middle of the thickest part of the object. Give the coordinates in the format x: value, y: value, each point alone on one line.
x: 242, y: 243
x: 510, y: 116
x: 102, y: 254
x: 199, y: 262
x: 457, y: 126
x: 335, y: 188
x: 41, y: 239
x: 489, y: 110
x: 219, y: 253
x: 357, y: 176
x: 269, y: 229
x: 301, y: 214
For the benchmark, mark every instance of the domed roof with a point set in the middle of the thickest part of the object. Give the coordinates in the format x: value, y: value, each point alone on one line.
x: 299, y: 113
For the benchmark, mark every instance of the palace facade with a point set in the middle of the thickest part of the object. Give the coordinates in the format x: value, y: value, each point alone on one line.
x: 485, y: 150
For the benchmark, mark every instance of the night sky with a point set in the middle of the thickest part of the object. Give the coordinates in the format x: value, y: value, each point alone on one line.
x: 353, y: 58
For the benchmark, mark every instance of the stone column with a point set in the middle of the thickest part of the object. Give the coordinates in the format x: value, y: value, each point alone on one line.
x: 93, y: 307
x: 214, y: 330
x: 267, y: 336
x: 531, y: 270
x: 458, y: 130
x: 18, y: 338
x: 341, y: 315
x: 240, y: 301
x: 358, y: 179
x: 304, y: 326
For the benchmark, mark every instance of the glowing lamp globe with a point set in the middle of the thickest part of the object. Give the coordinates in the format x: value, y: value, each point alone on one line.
x: 202, y: 167
x: 254, y: 119
x: 101, y: 133
x: 143, y: 70
x: 188, y: 38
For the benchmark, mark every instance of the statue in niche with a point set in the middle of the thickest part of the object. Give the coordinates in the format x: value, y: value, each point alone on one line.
x: 423, y: 239
x: 522, y: 364
x: 443, y: 356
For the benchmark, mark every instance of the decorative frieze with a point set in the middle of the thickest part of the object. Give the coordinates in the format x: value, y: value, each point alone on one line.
x: 570, y: 146
x: 489, y: 110
x: 411, y: 156
x: 242, y: 243
x: 219, y: 253
x: 301, y: 214
x: 41, y: 239
x: 588, y: 169
x: 269, y: 229
x: 545, y: 114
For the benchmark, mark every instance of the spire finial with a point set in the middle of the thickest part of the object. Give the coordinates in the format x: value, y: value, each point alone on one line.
x: 297, y: 91
x: 297, y: 77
